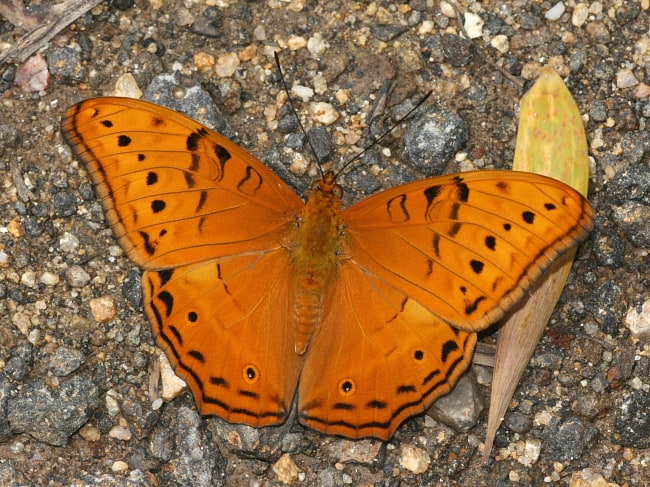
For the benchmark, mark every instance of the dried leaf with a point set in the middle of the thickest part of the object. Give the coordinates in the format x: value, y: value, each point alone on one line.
x: 551, y: 140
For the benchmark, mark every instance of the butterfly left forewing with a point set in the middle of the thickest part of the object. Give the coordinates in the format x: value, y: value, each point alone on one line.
x: 378, y: 358
x: 174, y: 191
x: 467, y: 246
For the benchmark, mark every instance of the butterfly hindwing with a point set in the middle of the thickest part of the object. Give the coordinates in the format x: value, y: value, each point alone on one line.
x: 390, y: 359
x: 228, y: 334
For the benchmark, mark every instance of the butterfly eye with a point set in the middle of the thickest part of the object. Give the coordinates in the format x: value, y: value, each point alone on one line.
x: 337, y: 191
x: 315, y: 186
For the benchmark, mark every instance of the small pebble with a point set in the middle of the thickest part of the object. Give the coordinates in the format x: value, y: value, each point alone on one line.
x: 127, y: 86
x: 414, y: 459
x: 227, y: 65
x: 76, y: 276
x: 119, y: 466
x: 204, y: 61
x: 296, y: 42
x: 555, y: 12
x: 638, y: 322
x: 33, y: 74
x: 120, y: 433
x: 625, y: 79
x: 103, y: 309
x: 324, y: 113
x: 28, y: 279
x: 172, y: 385
x: 49, y: 278
x: 500, y: 43
x: 305, y: 93
x: 68, y: 242
x: 286, y: 469
x: 580, y: 13
x: 15, y: 229
x: 90, y: 433
x: 316, y: 45
x: 112, y: 403
x: 473, y: 25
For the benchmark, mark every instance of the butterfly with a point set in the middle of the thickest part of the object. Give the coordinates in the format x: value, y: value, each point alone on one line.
x: 368, y: 314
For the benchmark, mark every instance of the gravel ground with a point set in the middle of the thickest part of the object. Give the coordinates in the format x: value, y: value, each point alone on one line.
x: 79, y: 392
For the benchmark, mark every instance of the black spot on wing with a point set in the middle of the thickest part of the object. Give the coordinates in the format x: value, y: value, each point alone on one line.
x: 168, y: 300
x: 477, y: 266
x: 462, y: 191
x: 165, y: 276
x: 149, y: 246
x: 157, y: 206
x: 196, y: 355
x: 123, y: 140
x: 528, y: 217
x: 491, y: 242
x: 396, y: 208
x: 152, y: 178
x: 448, y: 347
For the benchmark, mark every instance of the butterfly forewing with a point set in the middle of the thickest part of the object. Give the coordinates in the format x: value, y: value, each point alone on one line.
x: 467, y: 246
x: 174, y: 191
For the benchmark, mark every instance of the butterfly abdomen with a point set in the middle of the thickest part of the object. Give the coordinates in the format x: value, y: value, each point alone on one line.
x: 315, y: 253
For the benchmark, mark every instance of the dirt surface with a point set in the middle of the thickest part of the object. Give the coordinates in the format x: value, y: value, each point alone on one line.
x: 79, y: 397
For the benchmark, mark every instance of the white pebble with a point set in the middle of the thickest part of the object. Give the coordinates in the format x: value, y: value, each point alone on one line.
x: 227, y: 65
x: 305, y: 93
x: 28, y: 279
x: 119, y: 466
x: 77, y: 277
x: 120, y: 433
x: 414, y: 459
x: 68, y: 242
x: 324, y: 113
x: 473, y: 25
x: 259, y: 33
x: 49, y: 278
x: 316, y: 45
x: 555, y: 12
x: 172, y: 385
x: 625, y: 78
x: 447, y: 9
x: 639, y: 322
x: 126, y: 85
x: 500, y: 43
x: 296, y: 42
x: 579, y: 16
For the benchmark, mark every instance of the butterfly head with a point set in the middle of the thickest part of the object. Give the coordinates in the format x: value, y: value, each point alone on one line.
x: 327, y: 185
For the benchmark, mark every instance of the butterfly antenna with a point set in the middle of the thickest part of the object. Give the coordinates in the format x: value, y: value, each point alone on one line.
x: 295, y: 113
x: 376, y: 141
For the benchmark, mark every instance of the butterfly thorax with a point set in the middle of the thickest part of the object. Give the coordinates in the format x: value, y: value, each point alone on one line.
x: 314, y: 258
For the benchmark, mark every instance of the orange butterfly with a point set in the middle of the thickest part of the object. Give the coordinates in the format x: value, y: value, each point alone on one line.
x: 369, y: 312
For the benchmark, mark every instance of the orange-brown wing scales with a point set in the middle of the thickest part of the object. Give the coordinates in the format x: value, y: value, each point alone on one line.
x: 225, y: 326
x: 378, y: 358
x: 467, y: 247
x: 174, y: 191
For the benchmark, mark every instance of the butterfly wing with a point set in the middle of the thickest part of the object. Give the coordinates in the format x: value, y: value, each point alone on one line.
x: 417, y: 259
x: 208, y: 222
x: 378, y: 358
x: 174, y: 191
x: 468, y: 246
x: 223, y: 324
